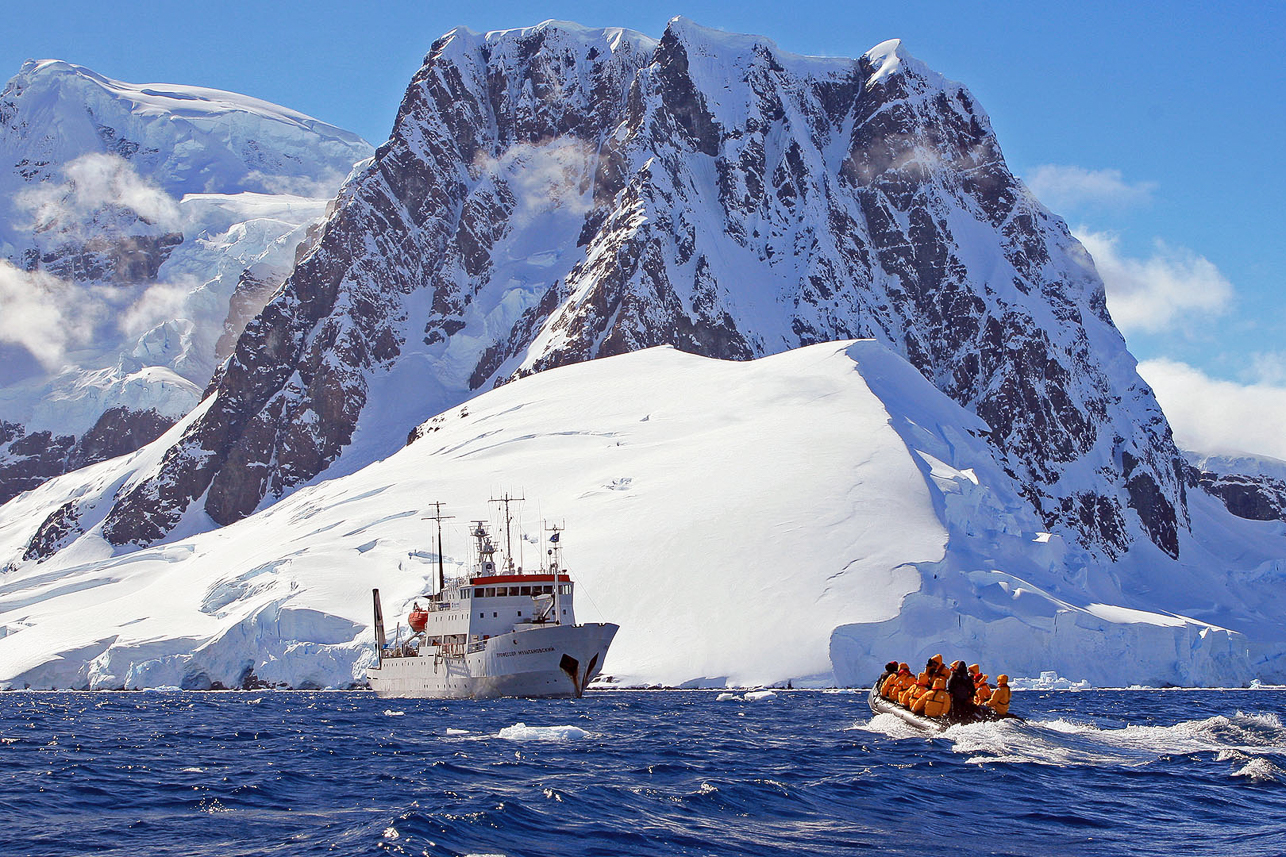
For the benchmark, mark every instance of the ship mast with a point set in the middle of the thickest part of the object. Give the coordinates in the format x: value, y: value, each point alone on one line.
x: 509, y: 545
x: 486, y: 566
x: 439, y: 517
x: 555, y: 562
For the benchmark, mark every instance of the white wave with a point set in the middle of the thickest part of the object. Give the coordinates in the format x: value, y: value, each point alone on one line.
x: 1237, y: 738
x: 892, y: 726
x: 1261, y: 770
x: 523, y: 732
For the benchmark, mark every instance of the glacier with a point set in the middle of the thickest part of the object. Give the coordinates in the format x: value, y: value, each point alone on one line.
x: 802, y: 517
x: 141, y: 226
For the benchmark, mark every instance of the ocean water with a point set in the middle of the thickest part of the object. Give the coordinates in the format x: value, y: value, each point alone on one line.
x: 637, y: 773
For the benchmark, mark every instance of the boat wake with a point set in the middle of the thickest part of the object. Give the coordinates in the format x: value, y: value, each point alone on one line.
x: 1255, y: 743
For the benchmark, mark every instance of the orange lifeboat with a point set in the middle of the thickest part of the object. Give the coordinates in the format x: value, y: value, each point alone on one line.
x: 418, y: 619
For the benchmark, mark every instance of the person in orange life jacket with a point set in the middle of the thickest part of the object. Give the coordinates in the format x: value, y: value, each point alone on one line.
x: 929, y: 674
x: 1000, y: 696
x: 935, y: 703
x: 981, y: 690
x: 933, y: 669
x: 960, y: 686
x: 915, y: 691
x: 974, y: 672
x: 903, y: 680
x: 897, y: 682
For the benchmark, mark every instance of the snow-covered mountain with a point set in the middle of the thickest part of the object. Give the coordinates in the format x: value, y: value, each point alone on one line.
x: 555, y: 195
x: 131, y: 218
x: 797, y: 517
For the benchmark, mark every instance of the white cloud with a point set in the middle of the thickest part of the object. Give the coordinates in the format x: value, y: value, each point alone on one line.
x: 49, y: 316
x: 94, y: 183
x: 1066, y: 187
x: 1172, y: 287
x: 161, y: 303
x: 40, y: 312
x: 543, y: 177
x: 1213, y: 416
x: 1268, y: 367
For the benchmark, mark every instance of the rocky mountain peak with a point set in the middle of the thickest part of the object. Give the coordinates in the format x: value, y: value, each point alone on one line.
x: 556, y: 194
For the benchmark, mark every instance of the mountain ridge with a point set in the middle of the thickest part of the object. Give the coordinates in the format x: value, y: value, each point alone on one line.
x: 841, y: 191
x: 553, y: 196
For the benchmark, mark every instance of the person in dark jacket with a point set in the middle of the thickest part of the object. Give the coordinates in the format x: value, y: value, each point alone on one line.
x: 890, y: 668
x: 960, y: 687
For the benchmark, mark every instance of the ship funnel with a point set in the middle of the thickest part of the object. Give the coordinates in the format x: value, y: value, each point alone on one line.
x: 380, y: 640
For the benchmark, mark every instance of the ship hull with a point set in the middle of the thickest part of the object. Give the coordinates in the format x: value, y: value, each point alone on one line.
x: 552, y: 661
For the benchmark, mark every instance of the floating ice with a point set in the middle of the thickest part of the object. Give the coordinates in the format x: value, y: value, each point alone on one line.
x: 523, y: 732
x: 388, y: 712
x: 727, y: 697
x: 1049, y: 680
x: 758, y: 695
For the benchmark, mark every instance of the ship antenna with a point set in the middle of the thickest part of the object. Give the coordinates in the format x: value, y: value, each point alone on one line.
x: 509, y: 545
x: 439, y: 517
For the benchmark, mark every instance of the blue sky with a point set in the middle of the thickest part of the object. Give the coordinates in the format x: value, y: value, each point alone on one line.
x: 1155, y: 129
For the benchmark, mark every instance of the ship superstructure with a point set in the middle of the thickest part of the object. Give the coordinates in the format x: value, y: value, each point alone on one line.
x: 500, y: 631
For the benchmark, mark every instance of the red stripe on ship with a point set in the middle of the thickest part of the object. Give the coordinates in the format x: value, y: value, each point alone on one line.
x: 518, y: 578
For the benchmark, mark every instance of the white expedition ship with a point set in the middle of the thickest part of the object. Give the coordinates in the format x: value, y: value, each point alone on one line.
x: 498, y: 632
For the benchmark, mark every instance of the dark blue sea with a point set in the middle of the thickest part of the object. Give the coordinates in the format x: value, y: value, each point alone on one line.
x: 637, y: 773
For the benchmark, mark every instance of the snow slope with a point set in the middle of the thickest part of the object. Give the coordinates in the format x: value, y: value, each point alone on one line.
x: 795, y: 517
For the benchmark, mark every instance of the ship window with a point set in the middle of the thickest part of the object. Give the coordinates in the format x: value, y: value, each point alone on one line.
x: 491, y: 591
x: 494, y: 615
x: 526, y: 590
x: 520, y: 614
x: 501, y: 592
x: 482, y: 615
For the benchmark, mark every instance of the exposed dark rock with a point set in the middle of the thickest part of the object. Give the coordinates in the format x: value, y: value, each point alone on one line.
x: 124, y: 259
x: 254, y: 287
x: 59, y: 529
x: 28, y: 460
x: 856, y: 201
x: 1256, y: 497
x: 118, y: 431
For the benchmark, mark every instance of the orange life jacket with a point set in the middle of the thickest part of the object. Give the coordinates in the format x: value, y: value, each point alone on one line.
x: 888, y: 690
x: 1000, y: 699
x: 981, y: 693
x: 914, y: 692
x: 935, y: 703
